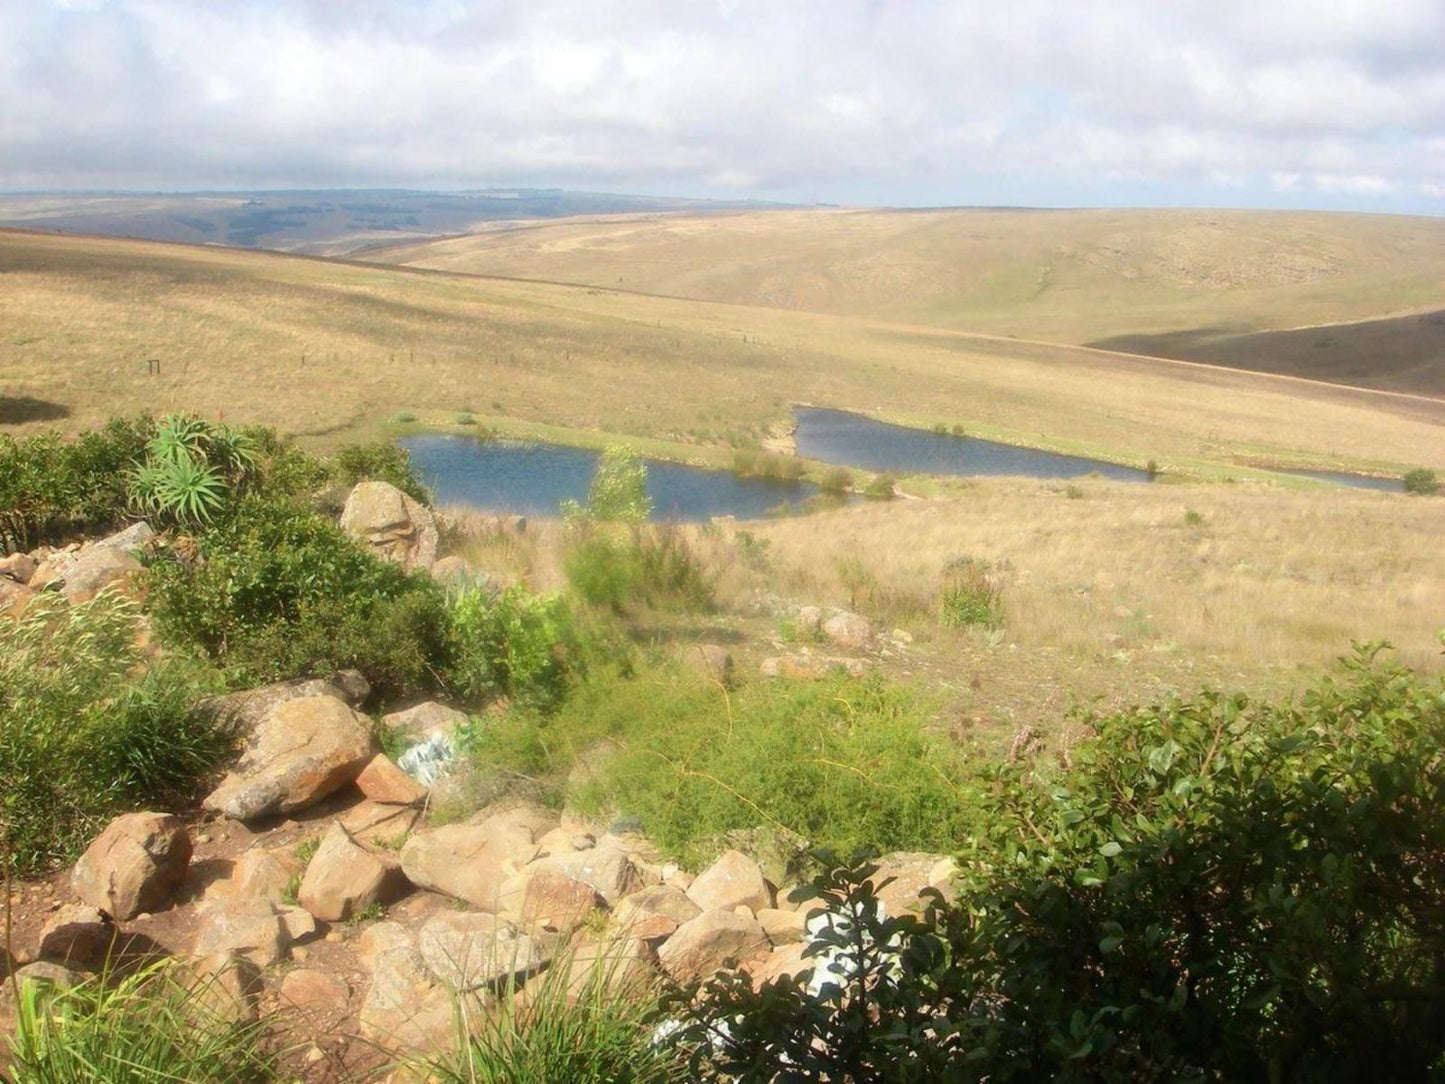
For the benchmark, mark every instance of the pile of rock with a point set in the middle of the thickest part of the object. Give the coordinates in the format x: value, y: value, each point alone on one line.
x: 77, y: 571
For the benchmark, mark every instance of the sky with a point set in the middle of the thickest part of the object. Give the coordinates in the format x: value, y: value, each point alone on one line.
x: 1273, y: 103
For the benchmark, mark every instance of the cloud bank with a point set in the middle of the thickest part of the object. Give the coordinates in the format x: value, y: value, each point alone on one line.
x: 1337, y: 103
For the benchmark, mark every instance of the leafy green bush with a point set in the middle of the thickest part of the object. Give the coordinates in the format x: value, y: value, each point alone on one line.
x: 971, y: 595
x: 1421, y: 482
x: 379, y: 461
x: 278, y: 592
x: 1215, y: 890
x: 838, y: 762
x: 835, y: 480
x: 150, y: 1027
x: 881, y: 488
x: 83, y: 735
x: 525, y: 646
x: 618, y: 493
x: 52, y: 489
x: 650, y: 566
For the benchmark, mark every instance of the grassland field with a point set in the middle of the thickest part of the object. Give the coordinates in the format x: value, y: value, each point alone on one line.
x: 1111, y: 591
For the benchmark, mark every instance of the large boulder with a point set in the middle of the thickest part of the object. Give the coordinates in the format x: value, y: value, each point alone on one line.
x: 733, y: 881
x: 93, y: 568
x: 302, y: 751
x: 134, y: 865
x: 344, y: 878
x: 394, y: 526
x: 654, y: 912
x: 382, y: 781
x: 466, y: 951
x: 709, y: 942
x: 406, y: 1008
x: 265, y: 874
x: 849, y: 631
x: 541, y: 899
x: 473, y: 862
x: 246, y: 710
x: 18, y: 567
x: 605, y: 868
x: 246, y: 927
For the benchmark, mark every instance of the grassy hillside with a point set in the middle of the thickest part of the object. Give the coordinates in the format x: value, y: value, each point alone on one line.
x: 317, y: 346
x: 1059, y: 276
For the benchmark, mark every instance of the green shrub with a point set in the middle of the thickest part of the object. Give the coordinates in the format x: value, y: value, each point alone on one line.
x: 146, y: 1028
x: 84, y: 732
x: 594, y: 1028
x: 403, y: 417
x: 279, y: 592
x: 1216, y: 889
x: 525, y: 646
x: 191, y: 470
x: 378, y: 461
x: 1421, y: 482
x: 745, y: 462
x: 52, y: 489
x: 618, y: 493
x: 835, y: 480
x: 466, y: 419
x: 784, y: 468
x: 839, y: 762
x: 881, y: 488
x: 971, y: 595
x: 649, y: 566
x: 959, y: 431
x: 1193, y: 518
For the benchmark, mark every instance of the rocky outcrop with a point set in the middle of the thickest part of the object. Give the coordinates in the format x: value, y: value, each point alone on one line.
x: 424, y: 721
x: 406, y: 1008
x: 302, y: 751
x: 607, y: 868
x: 473, y: 862
x: 908, y: 874
x: 134, y: 865
x: 394, y: 526
x: 708, y: 942
x: 733, y: 881
x: 344, y: 878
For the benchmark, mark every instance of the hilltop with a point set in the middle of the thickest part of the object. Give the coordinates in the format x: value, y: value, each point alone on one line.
x: 1168, y: 283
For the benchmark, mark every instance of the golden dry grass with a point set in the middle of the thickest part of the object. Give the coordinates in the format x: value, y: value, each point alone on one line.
x: 1070, y: 276
x: 232, y: 328
x: 1264, y: 580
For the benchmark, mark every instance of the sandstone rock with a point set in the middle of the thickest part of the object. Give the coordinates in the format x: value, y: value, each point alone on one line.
x: 312, y: 991
x: 654, y: 912
x: 382, y: 781
x: 381, y: 937
x: 849, y: 630
x: 710, y: 661
x: 607, y: 868
x: 473, y: 861
x: 133, y: 537
x: 380, y: 824
x: 18, y: 567
x: 344, y: 878
x: 465, y: 951
x: 52, y: 974
x: 264, y: 874
x: 14, y: 597
x: 93, y: 568
x: 245, y: 711
x: 809, y: 623
x: 297, y: 923
x: 421, y: 722
x: 782, y: 927
x: 246, y: 927
x: 453, y: 571
x: 705, y: 944
x: 76, y: 934
x: 734, y: 880
x: 623, y: 966
x: 540, y: 899
x: 787, y: 963
x: 302, y: 751
x: 565, y: 839
x: 226, y: 988
x: 912, y: 872
x: 406, y: 1010
x: 397, y: 528
x: 134, y: 865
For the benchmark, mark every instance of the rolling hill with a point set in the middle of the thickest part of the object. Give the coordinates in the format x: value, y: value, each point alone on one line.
x: 1195, y: 285
x: 318, y: 346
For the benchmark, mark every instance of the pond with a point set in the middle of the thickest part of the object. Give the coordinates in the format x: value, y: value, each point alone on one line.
x: 1354, y: 481
x: 534, y: 479
x: 838, y: 436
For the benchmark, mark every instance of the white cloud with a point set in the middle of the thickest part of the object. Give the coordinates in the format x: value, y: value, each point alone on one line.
x: 942, y: 101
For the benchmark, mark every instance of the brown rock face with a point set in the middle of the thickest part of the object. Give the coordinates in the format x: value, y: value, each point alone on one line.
x: 246, y: 927
x: 654, y: 912
x: 302, y: 751
x: 734, y: 880
x: 606, y: 868
x: 83, y: 574
x: 248, y: 709
x: 473, y: 862
x: 849, y: 631
x: 406, y: 1009
x: 397, y: 528
x: 134, y: 865
x: 76, y: 935
x: 314, y: 991
x: 18, y: 567
x: 344, y: 878
x: 539, y: 899
x: 227, y: 988
x: 469, y: 950
x: 383, y: 781
x: 264, y: 873
x: 707, y: 943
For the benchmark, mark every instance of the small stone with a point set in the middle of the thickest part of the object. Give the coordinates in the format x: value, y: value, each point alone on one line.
x: 382, y: 781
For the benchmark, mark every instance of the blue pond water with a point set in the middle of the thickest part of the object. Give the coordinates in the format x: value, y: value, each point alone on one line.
x: 535, y: 478
x: 837, y: 436
x: 1355, y: 481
